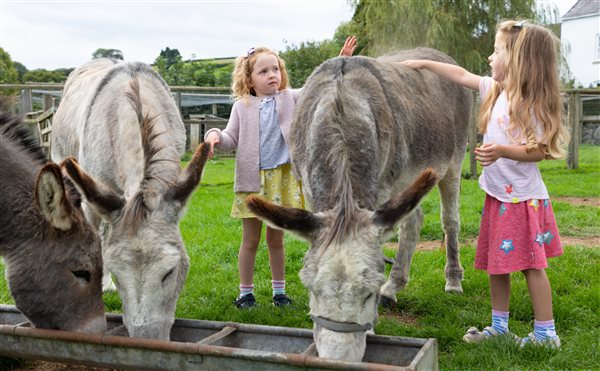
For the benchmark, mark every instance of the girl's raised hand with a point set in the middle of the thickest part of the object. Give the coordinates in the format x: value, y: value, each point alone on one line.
x: 349, y: 47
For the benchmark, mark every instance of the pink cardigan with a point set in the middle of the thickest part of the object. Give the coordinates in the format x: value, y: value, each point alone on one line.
x: 242, y: 132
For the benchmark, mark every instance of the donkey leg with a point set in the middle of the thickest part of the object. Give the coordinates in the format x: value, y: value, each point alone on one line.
x: 104, y: 231
x: 408, y: 234
x: 107, y: 282
x: 449, y: 193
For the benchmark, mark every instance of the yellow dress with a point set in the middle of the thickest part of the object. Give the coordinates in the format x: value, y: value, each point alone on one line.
x: 276, y: 185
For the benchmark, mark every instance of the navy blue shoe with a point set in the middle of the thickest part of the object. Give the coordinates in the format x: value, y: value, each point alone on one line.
x: 246, y: 301
x: 281, y: 300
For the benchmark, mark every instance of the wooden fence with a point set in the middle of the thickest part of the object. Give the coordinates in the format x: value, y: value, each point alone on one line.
x: 197, y: 124
x: 41, y: 121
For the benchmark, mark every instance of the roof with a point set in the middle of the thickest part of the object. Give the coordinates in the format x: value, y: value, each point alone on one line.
x: 583, y: 8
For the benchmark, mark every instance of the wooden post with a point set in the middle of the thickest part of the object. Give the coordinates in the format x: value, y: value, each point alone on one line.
x: 214, y: 109
x: 178, y: 100
x: 48, y: 101
x: 473, y: 137
x: 194, y: 136
x: 574, y: 126
x: 26, y: 104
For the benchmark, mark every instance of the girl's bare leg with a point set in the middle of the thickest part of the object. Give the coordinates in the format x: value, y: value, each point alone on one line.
x: 500, y: 291
x: 251, y: 229
x: 540, y: 292
x: 276, y: 253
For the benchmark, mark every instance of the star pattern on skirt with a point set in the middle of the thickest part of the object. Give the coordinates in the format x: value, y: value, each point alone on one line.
x: 535, y: 204
x: 507, y: 246
x: 548, y: 237
x: 502, y: 209
x: 543, y: 238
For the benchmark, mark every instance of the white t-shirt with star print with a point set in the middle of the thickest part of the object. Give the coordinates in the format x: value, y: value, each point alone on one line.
x: 508, y: 180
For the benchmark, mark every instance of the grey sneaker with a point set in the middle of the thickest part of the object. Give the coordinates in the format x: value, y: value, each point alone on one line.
x: 551, y: 343
x: 473, y: 335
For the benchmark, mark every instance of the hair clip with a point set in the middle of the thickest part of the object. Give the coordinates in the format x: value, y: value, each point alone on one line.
x: 250, y: 52
x: 520, y: 24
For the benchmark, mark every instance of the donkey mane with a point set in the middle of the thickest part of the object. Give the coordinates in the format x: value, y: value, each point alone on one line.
x: 137, y: 210
x: 12, y: 128
x: 339, y: 158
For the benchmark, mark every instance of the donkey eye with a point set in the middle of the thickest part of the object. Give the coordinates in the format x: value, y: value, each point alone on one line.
x: 82, y: 275
x: 169, y: 273
x: 367, y: 298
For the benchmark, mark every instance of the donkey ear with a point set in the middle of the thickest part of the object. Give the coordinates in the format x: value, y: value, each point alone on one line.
x: 102, y: 199
x: 298, y: 221
x: 191, y: 176
x: 51, y: 197
x: 403, y: 203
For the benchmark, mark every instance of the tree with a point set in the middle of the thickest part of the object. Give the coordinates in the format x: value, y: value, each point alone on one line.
x: 463, y: 29
x: 41, y: 75
x: 302, y: 60
x: 21, y: 70
x: 207, y: 72
x: 107, y: 53
x: 8, y: 72
x: 171, y: 56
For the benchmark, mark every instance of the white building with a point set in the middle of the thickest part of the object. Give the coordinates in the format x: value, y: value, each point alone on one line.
x: 580, y: 37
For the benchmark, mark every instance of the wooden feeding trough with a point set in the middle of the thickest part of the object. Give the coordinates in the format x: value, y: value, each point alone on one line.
x: 204, y: 345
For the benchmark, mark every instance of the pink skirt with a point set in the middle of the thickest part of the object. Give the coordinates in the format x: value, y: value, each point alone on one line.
x: 516, y: 236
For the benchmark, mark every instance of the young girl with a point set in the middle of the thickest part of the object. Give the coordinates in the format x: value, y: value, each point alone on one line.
x: 258, y: 127
x: 520, y: 117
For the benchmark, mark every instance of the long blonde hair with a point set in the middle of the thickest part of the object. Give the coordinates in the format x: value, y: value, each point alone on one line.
x: 244, y: 65
x: 532, y: 87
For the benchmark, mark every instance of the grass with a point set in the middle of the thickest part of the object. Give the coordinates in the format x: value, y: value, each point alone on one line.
x: 212, y: 240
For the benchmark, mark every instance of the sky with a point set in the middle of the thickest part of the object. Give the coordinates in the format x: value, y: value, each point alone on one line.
x: 53, y: 34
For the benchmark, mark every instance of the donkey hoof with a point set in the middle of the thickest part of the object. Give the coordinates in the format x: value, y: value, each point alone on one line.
x: 456, y: 288
x: 386, y: 302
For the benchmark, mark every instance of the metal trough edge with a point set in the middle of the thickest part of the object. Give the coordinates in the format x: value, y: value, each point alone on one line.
x: 102, y: 350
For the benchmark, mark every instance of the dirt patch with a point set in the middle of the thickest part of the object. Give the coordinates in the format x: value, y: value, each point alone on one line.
x: 399, y: 317
x: 579, y: 201
x: 593, y: 241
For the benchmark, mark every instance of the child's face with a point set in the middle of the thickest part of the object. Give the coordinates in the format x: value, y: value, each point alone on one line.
x: 266, y: 75
x: 498, y: 58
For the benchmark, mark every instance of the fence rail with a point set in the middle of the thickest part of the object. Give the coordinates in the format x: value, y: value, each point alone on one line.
x: 195, y: 127
x: 40, y: 121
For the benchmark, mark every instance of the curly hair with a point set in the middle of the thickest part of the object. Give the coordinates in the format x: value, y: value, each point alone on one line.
x: 244, y: 65
x: 532, y: 87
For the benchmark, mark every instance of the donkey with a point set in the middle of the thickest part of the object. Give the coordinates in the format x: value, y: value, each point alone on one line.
x: 121, y: 137
x: 363, y: 129
x: 52, y: 255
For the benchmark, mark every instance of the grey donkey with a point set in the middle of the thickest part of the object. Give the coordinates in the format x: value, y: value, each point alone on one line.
x: 364, y: 129
x: 120, y: 136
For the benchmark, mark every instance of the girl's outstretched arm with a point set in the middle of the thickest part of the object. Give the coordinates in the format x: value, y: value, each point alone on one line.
x: 451, y: 72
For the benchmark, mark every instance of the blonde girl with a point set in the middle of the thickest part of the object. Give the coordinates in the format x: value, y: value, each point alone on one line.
x: 258, y: 127
x: 521, y: 119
